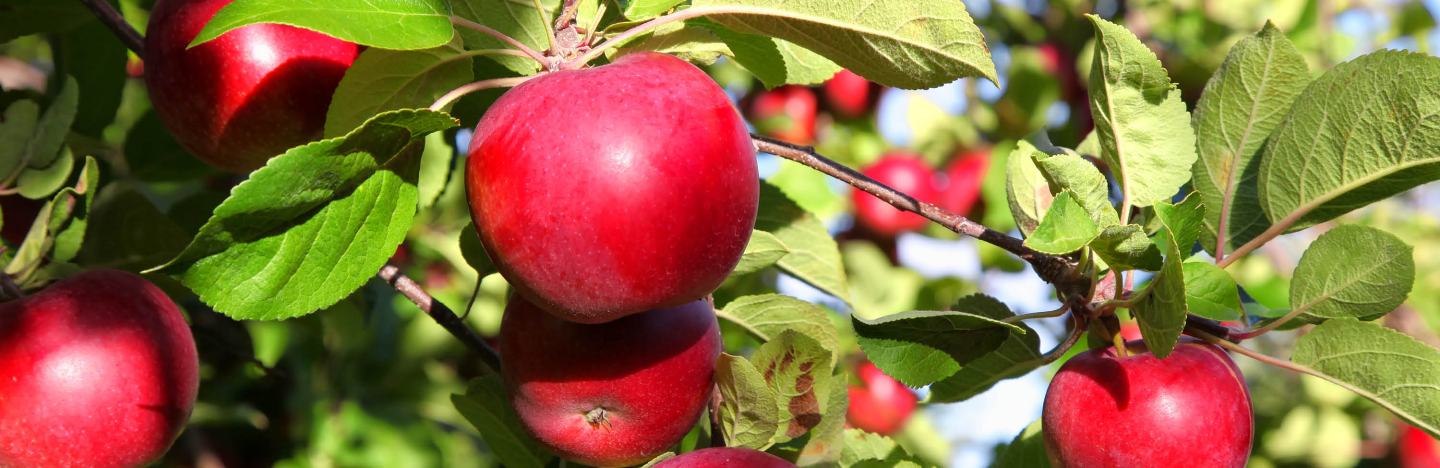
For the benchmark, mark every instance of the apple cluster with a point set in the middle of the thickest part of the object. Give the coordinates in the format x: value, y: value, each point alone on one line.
x: 614, y: 200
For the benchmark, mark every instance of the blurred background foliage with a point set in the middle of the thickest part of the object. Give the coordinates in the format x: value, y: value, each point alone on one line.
x: 368, y: 383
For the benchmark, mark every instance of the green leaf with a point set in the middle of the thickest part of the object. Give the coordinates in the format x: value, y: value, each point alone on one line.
x: 53, y: 126
x: 873, y: 450
x: 130, y: 232
x: 1017, y: 355
x: 1068, y: 171
x: 487, y: 408
x: 26, y: 17
x: 814, y: 257
x: 1127, y: 248
x: 1366, y: 130
x: 39, y: 182
x: 921, y: 347
x: 827, y: 439
x: 775, y: 61
x: 1388, y: 367
x: 312, y: 225
x: 642, y: 9
x: 763, y: 250
x: 386, y: 24
x: 1210, y: 292
x: 1161, y: 309
x: 1184, y: 221
x: 435, y: 168
x: 1353, y: 271
x: 58, y: 230
x: 912, y: 44
x: 382, y: 80
x: 1066, y: 227
x: 517, y: 19
x: 798, y: 370
x: 1027, y: 450
x: 1243, y: 102
x: 1141, y: 123
x: 692, y: 41
x: 15, y: 129
x: 749, y: 410
x: 153, y: 154
x: 96, y: 60
x: 768, y: 315
x: 1026, y: 190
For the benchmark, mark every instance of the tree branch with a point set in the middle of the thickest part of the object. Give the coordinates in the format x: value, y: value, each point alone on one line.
x: 510, y: 41
x: 1054, y: 269
x: 441, y: 314
x: 113, y: 20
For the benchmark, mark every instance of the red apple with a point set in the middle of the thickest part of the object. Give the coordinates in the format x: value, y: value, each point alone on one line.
x: 17, y: 213
x: 1191, y: 408
x: 902, y: 171
x: 880, y: 404
x: 248, y: 95
x: 607, y: 191
x: 97, y: 370
x: 725, y: 457
x: 963, y: 179
x: 612, y: 394
x: 1416, y: 449
x: 849, y: 95
x: 786, y: 113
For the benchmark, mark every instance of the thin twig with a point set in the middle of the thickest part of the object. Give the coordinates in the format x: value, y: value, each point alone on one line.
x: 116, y: 22
x: 544, y: 20
x: 1077, y: 328
x: 1054, y: 269
x: 643, y: 28
x: 512, y: 42
x: 1038, y: 315
x: 442, y: 315
x: 468, y: 88
x: 1248, y: 334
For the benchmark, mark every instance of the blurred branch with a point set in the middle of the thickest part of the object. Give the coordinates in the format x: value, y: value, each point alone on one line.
x: 440, y: 313
x: 113, y: 20
x: 1057, y: 270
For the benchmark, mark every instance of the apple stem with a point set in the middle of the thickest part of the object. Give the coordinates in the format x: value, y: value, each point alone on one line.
x: 1077, y: 328
x: 116, y: 22
x: 512, y: 42
x: 442, y: 315
x: 454, y: 94
x: 540, y: 11
x: 1038, y: 315
x: 1057, y: 270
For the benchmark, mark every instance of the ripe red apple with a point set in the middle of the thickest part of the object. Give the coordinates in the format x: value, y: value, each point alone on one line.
x: 612, y: 394
x: 786, y: 113
x: 849, y: 95
x: 18, y: 214
x: 1191, y: 408
x: 249, y: 94
x: 607, y: 191
x: 1416, y: 449
x: 99, y: 370
x: 963, y: 178
x: 880, y: 404
x: 903, y: 171
x: 725, y: 457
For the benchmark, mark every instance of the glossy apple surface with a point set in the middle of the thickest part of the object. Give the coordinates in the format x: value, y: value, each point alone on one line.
x: 249, y: 94
x: 612, y: 394
x: 97, y: 370
x: 963, y: 178
x: 848, y: 94
x: 880, y: 404
x: 1190, y: 408
x: 902, y: 171
x: 1416, y: 449
x: 786, y: 113
x: 725, y: 457
x: 612, y: 190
